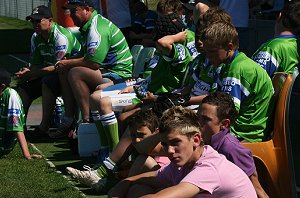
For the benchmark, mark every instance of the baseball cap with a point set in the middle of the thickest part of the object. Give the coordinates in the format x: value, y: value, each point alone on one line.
x: 40, y: 12
x: 74, y: 3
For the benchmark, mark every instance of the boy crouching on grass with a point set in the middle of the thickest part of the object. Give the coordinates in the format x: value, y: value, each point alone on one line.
x: 12, y: 119
x: 195, y: 169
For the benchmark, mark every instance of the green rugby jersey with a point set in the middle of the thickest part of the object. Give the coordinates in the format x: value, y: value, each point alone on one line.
x: 12, y: 119
x: 203, y: 79
x: 105, y: 44
x: 252, y: 90
x: 278, y: 55
x: 169, y: 72
x: 61, y: 43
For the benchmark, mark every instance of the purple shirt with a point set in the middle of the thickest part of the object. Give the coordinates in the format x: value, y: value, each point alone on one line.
x: 229, y: 146
x: 212, y: 173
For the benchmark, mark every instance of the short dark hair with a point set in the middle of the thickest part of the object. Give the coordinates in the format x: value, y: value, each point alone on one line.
x: 4, y: 77
x: 225, y: 105
x: 184, y: 120
x: 168, y: 6
x: 290, y: 16
x: 144, y: 117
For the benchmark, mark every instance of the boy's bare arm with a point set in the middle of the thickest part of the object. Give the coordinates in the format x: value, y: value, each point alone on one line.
x: 23, y: 144
x: 165, y: 44
x: 185, y: 189
x: 121, y: 189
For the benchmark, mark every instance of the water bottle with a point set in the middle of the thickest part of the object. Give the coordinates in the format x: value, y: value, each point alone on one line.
x: 58, y: 113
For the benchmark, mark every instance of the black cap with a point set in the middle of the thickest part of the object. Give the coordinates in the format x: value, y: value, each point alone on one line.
x: 39, y: 13
x: 74, y: 3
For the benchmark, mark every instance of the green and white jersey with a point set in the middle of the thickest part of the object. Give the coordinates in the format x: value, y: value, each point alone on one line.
x: 105, y: 44
x: 190, y: 43
x: 203, y: 79
x: 169, y: 72
x: 12, y: 119
x: 252, y: 91
x: 61, y: 43
x: 278, y: 55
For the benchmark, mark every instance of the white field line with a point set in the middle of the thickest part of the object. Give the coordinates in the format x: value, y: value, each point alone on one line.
x: 59, y: 172
x: 12, y: 56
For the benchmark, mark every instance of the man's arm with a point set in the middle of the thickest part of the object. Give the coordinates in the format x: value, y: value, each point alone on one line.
x: 78, y: 62
x: 150, y: 145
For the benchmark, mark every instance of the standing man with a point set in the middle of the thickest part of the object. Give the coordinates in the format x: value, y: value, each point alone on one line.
x: 106, y: 55
x: 49, y: 43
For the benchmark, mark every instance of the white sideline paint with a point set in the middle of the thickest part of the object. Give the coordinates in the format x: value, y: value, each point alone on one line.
x: 10, y: 55
x: 59, y: 172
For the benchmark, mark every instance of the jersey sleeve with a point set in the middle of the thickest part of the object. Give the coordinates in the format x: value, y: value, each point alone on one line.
x: 268, y: 59
x: 98, y: 44
x: 35, y: 55
x: 15, y: 114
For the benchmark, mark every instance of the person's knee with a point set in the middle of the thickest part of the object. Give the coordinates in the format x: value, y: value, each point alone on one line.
x: 74, y: 74
x: 105, y: 104
x: 95, y: 99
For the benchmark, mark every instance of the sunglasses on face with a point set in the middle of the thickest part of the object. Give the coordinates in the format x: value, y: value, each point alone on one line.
x: 37, y: 20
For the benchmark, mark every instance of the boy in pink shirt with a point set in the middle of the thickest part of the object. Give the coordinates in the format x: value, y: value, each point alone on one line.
x: 195, y: 170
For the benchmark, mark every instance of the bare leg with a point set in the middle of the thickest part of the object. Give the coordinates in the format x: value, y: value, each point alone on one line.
x: 48, y: 105
x: 26, y: 100
x: 82, y: 80
x: 67, y: 95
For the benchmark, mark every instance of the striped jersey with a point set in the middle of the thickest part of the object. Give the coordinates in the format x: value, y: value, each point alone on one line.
x: 12, y: 119
x: 61, y: 43
x: 203, y: 79
x: 252, y: 90
x: 169, y: 71
x: 278, y: 55
x: 105, y: 44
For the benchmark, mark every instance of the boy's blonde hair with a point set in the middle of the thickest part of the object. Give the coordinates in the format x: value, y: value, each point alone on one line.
x: 220, y: 34
x: 181, y: 119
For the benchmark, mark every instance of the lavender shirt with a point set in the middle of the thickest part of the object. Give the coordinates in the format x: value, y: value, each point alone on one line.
x: 229, y: 146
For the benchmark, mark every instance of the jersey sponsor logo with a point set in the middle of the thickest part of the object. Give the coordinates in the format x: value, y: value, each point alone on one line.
x: 14, y: 111
x: 192, y: 49
x: 59, y: 55
x: 13, y: 120
x: 181, y: 52
x: 92, y: 46
x: 60, y: 47
x: 201, y: 88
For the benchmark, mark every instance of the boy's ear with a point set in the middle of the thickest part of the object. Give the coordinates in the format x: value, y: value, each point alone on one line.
x: 230, y: 46
x: 156, y: 130
x: 197, y: 140
x: 2, y: 87
x: 225, y: 123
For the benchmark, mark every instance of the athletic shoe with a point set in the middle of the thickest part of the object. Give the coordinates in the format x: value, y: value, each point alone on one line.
x: 88, y: 177
x: 108, y: 179
x: 62, y: 131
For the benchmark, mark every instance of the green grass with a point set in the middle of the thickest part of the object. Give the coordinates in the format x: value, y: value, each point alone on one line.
x: 31, y: 178
x: 13, y: 23
x: 35, y: 178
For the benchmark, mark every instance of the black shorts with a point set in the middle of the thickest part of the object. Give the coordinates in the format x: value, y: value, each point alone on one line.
x: 33, y: 88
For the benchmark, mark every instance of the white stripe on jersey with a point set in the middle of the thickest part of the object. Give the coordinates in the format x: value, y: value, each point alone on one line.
x: 118, y: 43
x: 116, y: 33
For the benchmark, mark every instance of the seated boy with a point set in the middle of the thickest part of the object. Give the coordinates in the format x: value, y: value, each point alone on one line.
x: 280, y: 54
x: 142, y: 125
x: 12, y: 119
x: 216, y: 114
x: 244, y: 79
x: 195, y: 170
